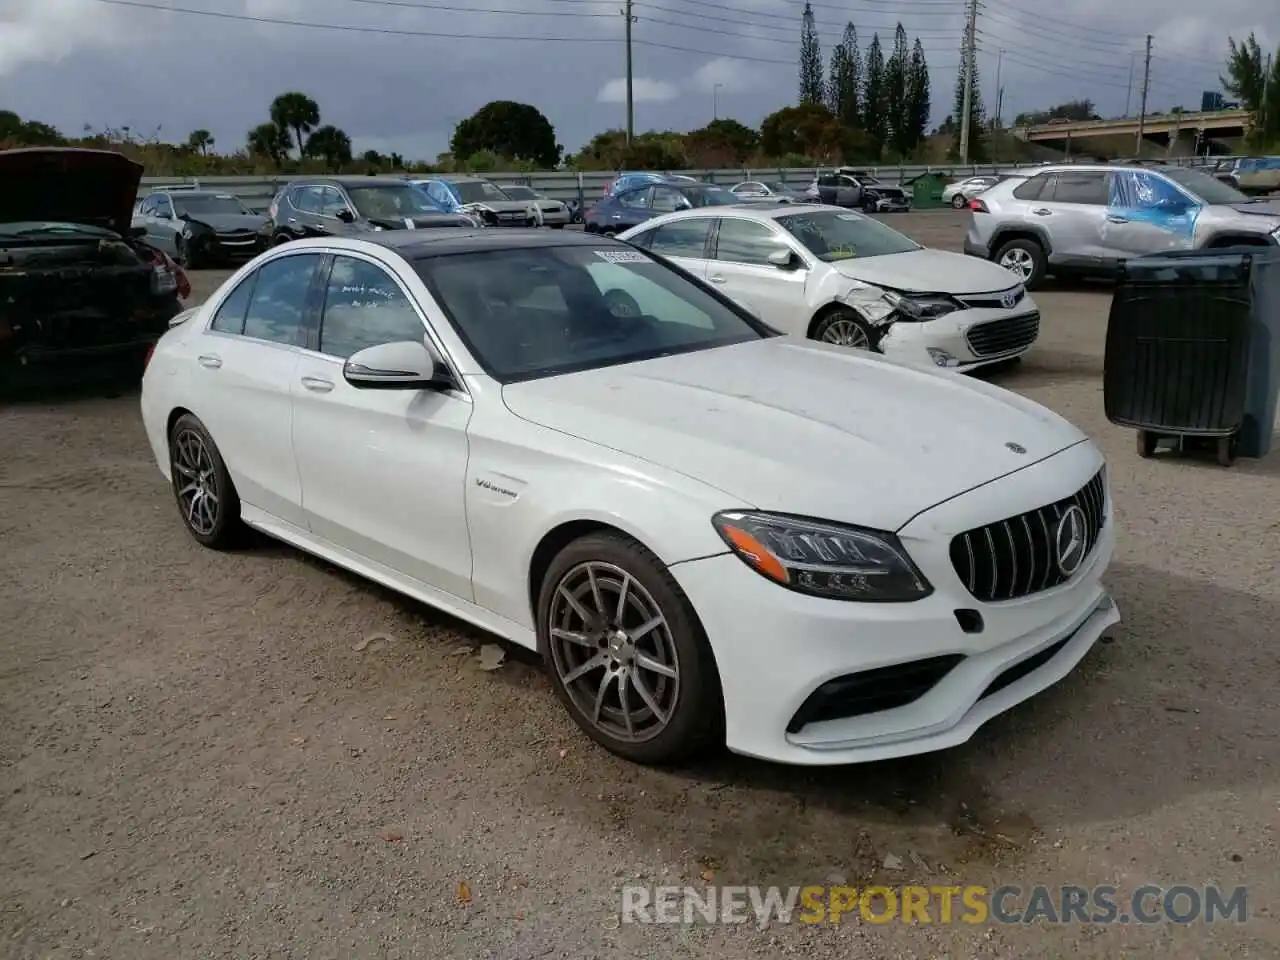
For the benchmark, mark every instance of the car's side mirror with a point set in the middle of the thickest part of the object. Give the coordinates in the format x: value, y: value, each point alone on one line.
x: 401, y: 365
x: 346, y: 216
x: 785, y: 259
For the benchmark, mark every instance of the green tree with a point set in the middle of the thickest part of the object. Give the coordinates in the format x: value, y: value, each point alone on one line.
x: 201, y: 141
x: 874, y: 88
x: 1071, y: 110
x: 721, y: 143
x: 1256, y: 84
x: 895, y: 94
x: 844, y: 81
x: 808, y: 129
x: 811, y: 85
x: 270, y: 141
x: 977, y: 113
x: 509, y: 129
x: 331, y: 145
x: 919, y: 97
x: 295, y: 113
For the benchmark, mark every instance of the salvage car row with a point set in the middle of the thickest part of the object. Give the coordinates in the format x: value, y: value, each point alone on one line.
x: 608, y: 451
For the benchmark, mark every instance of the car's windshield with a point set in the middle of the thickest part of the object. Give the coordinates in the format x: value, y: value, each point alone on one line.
x: 206, y: 204
x: 831, y: 236
x: 701, y: 196
x: 478, y: 191
x: 778, y: 187
x: 1207, y: 188
x: 520, y: 193
x: 391, y: 200
x: 542, y: 311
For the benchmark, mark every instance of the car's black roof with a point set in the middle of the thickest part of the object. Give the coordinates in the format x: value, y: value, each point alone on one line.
x: 446, y: 241
x: 352, y: 181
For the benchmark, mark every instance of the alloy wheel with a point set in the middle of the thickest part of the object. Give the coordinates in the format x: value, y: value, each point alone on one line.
x: 613, y: 652
x: 846, y: 333
x: 1019, y: 261
x: 195, y: 481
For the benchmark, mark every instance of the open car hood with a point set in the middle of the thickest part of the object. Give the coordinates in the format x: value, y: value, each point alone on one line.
x: 69, y: 184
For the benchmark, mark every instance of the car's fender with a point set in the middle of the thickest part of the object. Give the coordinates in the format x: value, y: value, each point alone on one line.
x: 1006, y: 232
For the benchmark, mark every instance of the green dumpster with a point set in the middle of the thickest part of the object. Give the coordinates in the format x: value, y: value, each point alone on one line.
x: 926, y: 191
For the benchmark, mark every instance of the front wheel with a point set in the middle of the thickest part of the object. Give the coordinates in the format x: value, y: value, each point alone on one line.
x: 202, y: 487
x: 625, y: 651
x: 844, y: 328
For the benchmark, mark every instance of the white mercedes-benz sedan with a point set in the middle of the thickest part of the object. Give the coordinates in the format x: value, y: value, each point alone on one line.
x: 711, y: 532
x: 843, y: 277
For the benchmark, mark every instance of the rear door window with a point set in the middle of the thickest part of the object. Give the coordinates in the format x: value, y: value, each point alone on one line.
x: 1031, y: 189
x: 683, y: 238
x: 1080, y: 186
x: 231, y: 312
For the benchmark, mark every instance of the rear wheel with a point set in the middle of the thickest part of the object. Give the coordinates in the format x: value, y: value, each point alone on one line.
x: 280, y: 239
x: 202, y: 487
x: 1025, y: 258
x: 958, y: 201
x: 625, y: 651
x: 1146, y: 444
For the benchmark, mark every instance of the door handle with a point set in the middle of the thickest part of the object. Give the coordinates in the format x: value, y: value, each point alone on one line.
x: 1041, y: 212
x: 1111, y: 218
x: 716, y: 278
x: 318, y: 384
x: 210, y: 360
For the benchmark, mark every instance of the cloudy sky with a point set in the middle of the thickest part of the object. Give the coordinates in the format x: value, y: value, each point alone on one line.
x: 398, y: 74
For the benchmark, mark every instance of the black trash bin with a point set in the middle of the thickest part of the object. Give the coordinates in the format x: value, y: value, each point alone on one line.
x: 1192, y: 349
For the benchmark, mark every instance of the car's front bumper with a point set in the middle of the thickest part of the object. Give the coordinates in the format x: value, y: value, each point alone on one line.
x: 975, y: 249
x: 774, y: 647
x: 893, y: 205
x: 952, y: 342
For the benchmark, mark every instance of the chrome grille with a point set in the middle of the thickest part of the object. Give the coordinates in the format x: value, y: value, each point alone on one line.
x: 994, y: 301
x: 994, y: 337
x: 1017, y: 557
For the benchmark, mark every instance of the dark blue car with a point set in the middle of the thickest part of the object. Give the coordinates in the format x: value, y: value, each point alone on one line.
x: 631, y: 207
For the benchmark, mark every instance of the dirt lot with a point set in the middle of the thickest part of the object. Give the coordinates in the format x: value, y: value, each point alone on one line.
x: 200, y: 757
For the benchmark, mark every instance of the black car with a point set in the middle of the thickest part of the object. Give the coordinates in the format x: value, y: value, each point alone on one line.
x: 343, y: 206
x: 80, y: 293
x: 630, y: 208
x: 201, y: 227
x: 856, y: 189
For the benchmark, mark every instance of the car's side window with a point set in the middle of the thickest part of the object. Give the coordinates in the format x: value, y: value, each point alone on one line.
x: 1081, y: 186
x: 307, y: 199
x: 682, y: 238
x: 364, y: 307
x: 278, y: 308
x: 635, y: 199
x: 163, y: 206
x: 231, y: 312
x: 1143, y: 190
x: 1032, y: 188
x: 744, y: 241
x: 331, y: 201
x: 668, y: 200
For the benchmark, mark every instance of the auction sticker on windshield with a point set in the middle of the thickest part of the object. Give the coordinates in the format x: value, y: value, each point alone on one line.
x: 621, y: 256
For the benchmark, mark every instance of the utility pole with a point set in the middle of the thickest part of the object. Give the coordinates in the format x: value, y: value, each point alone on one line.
x: 631, y: 103
x: 970, y: 68
x: 715, y: 100
x: 1146, y: 86
x: 1128, y: 96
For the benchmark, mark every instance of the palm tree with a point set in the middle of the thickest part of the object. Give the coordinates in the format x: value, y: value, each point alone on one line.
x: 201, y: 141
x: 295, y: 112
x: 269, y: 140
x: 330, y: 143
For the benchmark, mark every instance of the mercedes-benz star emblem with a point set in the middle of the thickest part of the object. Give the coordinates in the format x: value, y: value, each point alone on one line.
x: 1071, y: 540
x: 1016, y: 447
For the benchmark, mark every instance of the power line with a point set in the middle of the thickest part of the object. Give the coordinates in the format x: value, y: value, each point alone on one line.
x: 789, y: 29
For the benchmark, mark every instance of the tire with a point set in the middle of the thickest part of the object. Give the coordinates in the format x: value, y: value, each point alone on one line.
x: 868, y: 206
x: 844, y: 328
x: 958, y: 201
x: 184, y: 254
x: 1146, y: 444
x: 1226, y: 451
x: 280, y: 239
x: 1029, y: 255
x: 609, y: 232
x: 689, y: 697
x: 194, y: 460
x: 557, y: 226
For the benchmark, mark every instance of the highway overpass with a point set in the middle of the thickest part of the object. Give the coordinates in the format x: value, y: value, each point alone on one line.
x: 1177, y: 132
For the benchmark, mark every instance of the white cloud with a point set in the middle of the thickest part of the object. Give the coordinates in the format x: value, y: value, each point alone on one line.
x: 47, y: 31
x: 643, y: 90
x: 732, y: 76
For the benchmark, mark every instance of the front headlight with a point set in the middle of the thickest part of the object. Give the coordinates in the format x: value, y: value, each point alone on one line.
x: 265, y: 229
x: 821, y: 559
x: 920, y: 308
x: 187, y: 232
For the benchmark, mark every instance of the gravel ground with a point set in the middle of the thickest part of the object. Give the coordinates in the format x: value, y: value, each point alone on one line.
x: 201, y: 757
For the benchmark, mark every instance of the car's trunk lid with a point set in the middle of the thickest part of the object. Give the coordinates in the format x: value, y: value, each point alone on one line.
x: 69, y: 185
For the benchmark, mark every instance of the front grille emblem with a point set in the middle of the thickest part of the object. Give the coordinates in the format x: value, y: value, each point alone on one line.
x: 1071, y: 540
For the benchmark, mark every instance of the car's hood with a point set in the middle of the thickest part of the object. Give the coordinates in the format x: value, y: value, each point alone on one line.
x: 885, y: 188
x: 929, y: 271
x: 224, y: 222
x: 422, y: 221
x: 501, y: 206
x: 795, y: 426
x: 68, y: 184
x: 1264, y: 207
